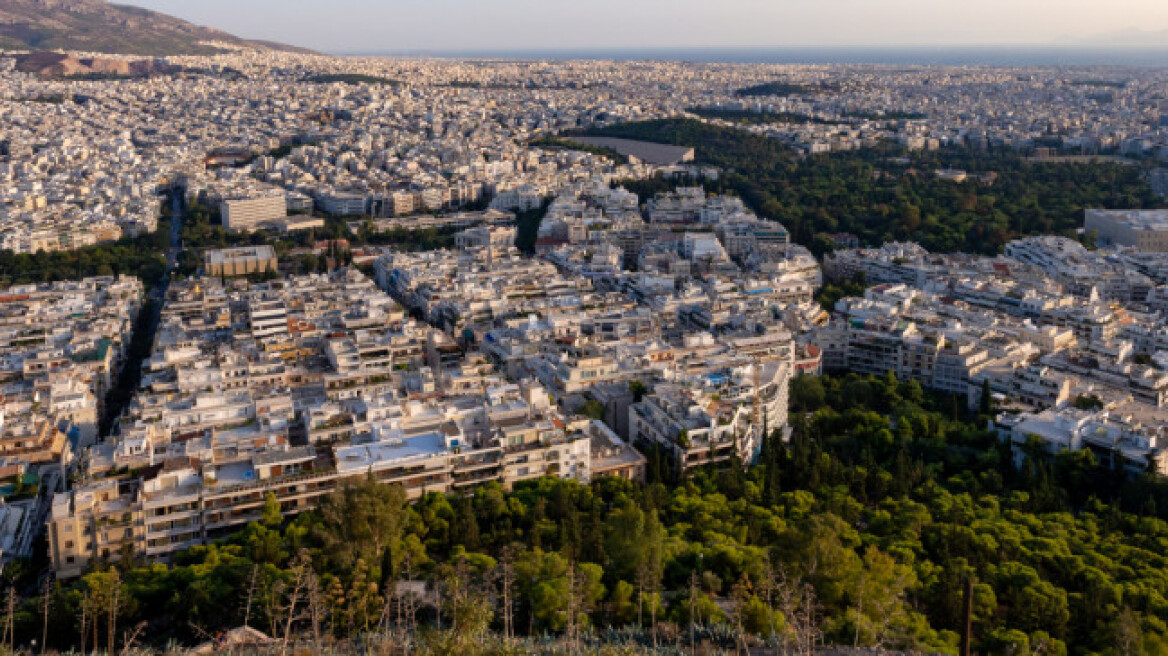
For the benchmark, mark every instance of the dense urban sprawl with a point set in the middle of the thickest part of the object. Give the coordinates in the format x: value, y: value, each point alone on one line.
x: 607, y: 329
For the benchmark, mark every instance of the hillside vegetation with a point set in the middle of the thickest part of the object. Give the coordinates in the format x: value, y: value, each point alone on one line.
x: 863, y: 530
x: 887, y: 193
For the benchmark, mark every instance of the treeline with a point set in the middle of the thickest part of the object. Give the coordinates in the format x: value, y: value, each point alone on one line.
x: 424, y: 239
x: 784, y: 89
x: 887, y: 193
x: 140, y: 257
x: 352, y: 79
x: 862, y: 530
x: 202, y: 227
x: 748, y: 117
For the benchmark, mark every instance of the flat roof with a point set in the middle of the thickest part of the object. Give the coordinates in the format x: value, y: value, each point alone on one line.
x: 240, y: 253
x: 1136, y: 219
x: 380, y: 455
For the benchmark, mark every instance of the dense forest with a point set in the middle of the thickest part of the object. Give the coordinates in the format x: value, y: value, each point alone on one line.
x: 861, y: 530
x: 887, y: 193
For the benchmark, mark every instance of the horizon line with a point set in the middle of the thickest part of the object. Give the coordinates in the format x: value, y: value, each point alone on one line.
x: 1111, y: 55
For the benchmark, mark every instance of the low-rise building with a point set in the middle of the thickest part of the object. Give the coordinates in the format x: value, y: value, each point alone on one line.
x: 1146, y: 230
x: 243, y: 261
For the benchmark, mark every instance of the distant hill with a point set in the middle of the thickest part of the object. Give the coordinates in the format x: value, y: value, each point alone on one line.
x: 48, y: 63
x: 98, y: 26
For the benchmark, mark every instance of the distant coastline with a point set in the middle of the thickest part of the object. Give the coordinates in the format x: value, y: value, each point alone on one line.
x: 1055, y: 55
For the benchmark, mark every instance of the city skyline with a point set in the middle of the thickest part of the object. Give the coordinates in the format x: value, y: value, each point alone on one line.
x: 458, y: 26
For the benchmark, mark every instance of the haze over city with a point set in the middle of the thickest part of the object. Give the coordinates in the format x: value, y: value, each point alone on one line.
x: 454, y: 26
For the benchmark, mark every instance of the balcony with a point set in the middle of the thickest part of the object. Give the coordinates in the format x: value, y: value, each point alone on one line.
x: 323, y: 475
x: 477, y: 478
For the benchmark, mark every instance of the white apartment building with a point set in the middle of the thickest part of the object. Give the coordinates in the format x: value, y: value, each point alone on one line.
x: 343, y: 203
x: 245, y: 214
x: 268, y: 318
x: 1146, y: 230
x: 1129, y: 436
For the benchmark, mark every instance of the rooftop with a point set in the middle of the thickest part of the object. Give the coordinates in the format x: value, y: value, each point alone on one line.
x: 390, y: 452
x: 241, y: 253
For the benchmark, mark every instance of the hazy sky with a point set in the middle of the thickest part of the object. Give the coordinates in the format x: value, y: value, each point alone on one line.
x: 463, y: 25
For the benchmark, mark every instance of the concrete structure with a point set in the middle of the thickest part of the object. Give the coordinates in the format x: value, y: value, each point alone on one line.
x: 341, y: 203
x: 1146, y: 230
x: 1125, y: 436
x: 250, y: 213
x: 239, y: 261
x: 644, y: 151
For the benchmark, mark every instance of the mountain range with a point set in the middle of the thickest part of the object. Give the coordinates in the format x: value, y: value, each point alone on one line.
x: 99, y: 26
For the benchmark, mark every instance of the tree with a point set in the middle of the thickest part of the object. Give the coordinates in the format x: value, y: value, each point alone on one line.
x: 46, y: 604
x: 556, y: 592
x: 293, y: 590
x: 593, y: 409
x: 879, y: 598
x: 807, y: 393
x: 621, y: 609
x: 105, y: 603
x: 639, y: 390
x: 742, y: 595
x: 465, y: 528
x: 270, y: 515
x: 800, y: 608
x: 1129, y: 637
x: 625, y: 541
x: 360, y: 520
x: 468, y: 605
x: 986, y: 398
x: 507, y: 586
